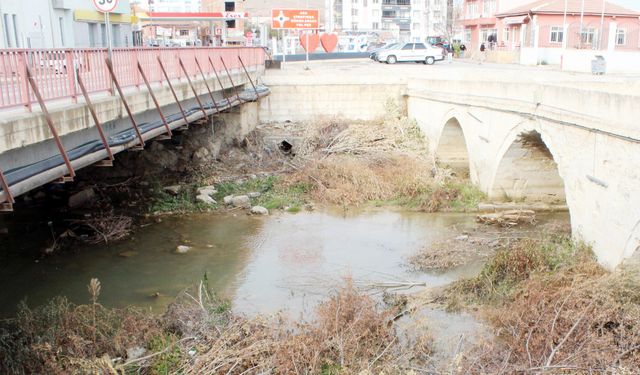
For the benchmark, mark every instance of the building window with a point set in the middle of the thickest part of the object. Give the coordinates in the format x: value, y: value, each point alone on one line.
x: 354, y: 26
x: 184, y: 32
x: 557, y: 34
x: 588, y: 35
x: 103, y: 34
x: 6, y: 30
x: 505, y: 34
x: 376, y: 1
x: 61, y: 24
x: 376, y: 13
x: 621, y: 37
x: 472, y: 9
x: 15, y: 30
x: 375, y: 26
x: 354, y: 12
x: 231, y: 24
x: 93, y: 29
x: 488, y: 8
x: 416, y: 14
x: 488, y: 35
x: 467, y: 35
x: 416, y: 26
x: 229, y: 6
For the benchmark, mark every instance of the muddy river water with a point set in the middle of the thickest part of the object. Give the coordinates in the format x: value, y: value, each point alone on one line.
x: 262, y: 264
x: 283, y: 262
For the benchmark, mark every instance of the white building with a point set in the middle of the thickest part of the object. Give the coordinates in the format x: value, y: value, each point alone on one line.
x: 61, y: 24
x: 407, y: 20
x: 180, y: 6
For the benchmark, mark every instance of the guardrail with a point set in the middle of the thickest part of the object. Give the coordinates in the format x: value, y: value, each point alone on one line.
x: 54, y: 70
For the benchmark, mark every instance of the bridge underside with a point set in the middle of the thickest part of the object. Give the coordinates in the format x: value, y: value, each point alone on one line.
x: 41, y: 162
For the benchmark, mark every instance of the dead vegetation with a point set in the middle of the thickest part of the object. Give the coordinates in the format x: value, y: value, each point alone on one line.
x: 346, y: 163
x: 555, y: 310
x: 199, y: 334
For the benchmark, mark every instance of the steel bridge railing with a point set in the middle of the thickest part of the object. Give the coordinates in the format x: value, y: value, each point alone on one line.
x: 54, y: 70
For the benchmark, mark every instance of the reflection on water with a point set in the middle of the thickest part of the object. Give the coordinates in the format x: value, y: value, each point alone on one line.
x: 263, y: 264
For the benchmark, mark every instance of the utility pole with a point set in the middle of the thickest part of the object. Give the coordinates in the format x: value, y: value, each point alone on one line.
x: 581, y: 23
x: 600, y: 42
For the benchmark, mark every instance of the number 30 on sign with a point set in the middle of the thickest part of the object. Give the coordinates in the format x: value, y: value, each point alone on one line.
x: 105, y: 6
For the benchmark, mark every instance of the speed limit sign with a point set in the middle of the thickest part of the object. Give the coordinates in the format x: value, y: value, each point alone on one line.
x: 105, y: 6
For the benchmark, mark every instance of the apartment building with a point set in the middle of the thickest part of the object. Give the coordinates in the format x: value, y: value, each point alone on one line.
x: 406, y: 20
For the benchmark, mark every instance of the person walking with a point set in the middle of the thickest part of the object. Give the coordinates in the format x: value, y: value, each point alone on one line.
x: 462, y: 49
x: 483, y: 52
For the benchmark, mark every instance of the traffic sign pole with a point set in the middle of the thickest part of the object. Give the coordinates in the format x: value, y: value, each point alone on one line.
x: 106, y: 7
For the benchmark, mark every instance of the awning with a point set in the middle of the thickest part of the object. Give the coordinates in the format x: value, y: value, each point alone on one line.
x: 517, y: 20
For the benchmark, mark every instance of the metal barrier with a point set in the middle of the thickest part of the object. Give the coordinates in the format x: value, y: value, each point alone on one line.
x: 54, y: 70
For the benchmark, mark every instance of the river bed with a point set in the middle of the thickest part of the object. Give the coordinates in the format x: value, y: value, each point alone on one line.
x: 262, y: 264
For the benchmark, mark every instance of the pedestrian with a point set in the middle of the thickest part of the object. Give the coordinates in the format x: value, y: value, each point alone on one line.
x: 462, y: 49
x: 449, y: 53
x: 483, y: 51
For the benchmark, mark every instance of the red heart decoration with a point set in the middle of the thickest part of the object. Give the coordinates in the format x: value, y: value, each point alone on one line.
x: 329, y: 42
x: 314, y: 40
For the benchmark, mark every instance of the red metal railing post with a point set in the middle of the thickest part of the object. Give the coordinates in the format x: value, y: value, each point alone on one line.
x: 23, y: 72
x: 70, y: 71
x: 5, y: 187
x: 49, y: 120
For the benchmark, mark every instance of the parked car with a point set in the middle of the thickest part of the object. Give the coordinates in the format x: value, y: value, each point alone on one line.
x: 418, y: 52
x: 374, y: 54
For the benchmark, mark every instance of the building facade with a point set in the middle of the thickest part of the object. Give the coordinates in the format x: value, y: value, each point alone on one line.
x: 406, y: 20
x: 61, y: 24
x: 172, y: 5
x: 512, y: 24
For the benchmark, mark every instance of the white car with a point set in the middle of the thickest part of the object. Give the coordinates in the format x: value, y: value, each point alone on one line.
x: 418, y: 52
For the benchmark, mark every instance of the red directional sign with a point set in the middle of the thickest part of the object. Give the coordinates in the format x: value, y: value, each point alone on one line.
x: 105, y: 6
x: 295, y: 19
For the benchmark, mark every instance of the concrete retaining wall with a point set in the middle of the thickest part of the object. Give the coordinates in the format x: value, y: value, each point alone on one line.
x: 313, y: 101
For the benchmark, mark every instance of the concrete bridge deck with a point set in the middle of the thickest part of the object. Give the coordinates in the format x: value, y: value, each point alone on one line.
x: 522, y: 134
x: 30, y: 156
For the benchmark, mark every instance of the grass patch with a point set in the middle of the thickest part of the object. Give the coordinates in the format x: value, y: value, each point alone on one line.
x: 501, y: 277
x: 260, y: 185
x: 181, y: 203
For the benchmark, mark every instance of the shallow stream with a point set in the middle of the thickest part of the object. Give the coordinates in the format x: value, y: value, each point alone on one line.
x: 262, y: 264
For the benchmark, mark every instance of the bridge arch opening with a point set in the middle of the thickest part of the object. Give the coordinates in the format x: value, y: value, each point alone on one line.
x: 528, y: 172
x: 452, y: 148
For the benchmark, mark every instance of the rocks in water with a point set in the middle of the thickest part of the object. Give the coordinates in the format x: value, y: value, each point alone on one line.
x: 463, y: 237
x: 228, y: 199
x: 259, y: 210
x: 81, y: 198
x: 207, y: 190
x: 254, y: 194
x: 241, y: 201
x: 127, y: 254
x: 508, y: 218
x: 182, y: 249
x: 205, y: 199
x: 135, y: 352
x: 173, y: 189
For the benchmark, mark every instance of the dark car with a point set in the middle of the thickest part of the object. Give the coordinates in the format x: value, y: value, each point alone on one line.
x: 374, y: 54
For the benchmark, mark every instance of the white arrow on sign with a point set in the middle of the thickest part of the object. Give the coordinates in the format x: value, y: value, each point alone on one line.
x: 105, y: 6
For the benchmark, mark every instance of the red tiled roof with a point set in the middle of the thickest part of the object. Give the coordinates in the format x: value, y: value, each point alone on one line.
x: 573, y: 6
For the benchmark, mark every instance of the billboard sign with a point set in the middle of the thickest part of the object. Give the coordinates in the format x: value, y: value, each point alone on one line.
x: 295, y: 19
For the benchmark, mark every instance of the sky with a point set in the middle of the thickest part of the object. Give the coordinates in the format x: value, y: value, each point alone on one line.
x: 631, y: 4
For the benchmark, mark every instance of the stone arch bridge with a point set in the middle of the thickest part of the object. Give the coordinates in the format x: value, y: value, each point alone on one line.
x: 543, y: 143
